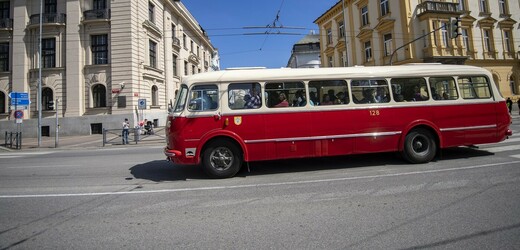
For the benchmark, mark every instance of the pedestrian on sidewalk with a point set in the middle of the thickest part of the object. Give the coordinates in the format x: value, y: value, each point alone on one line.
x: 518, y: 102
x: 126, y: 127
x: 509, y: 104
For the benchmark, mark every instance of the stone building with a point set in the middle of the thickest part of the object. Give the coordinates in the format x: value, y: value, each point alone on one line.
x: 382, y: 32
x: 306, y: 52
x: 102, y: 60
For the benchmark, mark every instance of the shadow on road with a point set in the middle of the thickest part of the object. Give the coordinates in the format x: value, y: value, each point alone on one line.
x: 162, y: 170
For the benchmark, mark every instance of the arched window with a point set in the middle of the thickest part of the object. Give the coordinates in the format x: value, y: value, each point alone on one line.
x: 47, y: 99
x: 99, y: 94
x: 2, y: 102
x: 155, y: 96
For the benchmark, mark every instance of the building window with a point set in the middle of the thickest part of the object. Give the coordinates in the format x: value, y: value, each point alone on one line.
x: 5, y: 10
x: 487, y: 41
x: 153, y: 54
x: 174, y: 63
x: 364, y: 15
x: 483, y: 6
x: 368, y: 51
x: 193, y: 70
x: 173, y: 30
x: 329, y: 36
x: 100, y: 4
x: 99, y: 49
x: 185, y: 68
x: 155, y: 96
x: 444, y: 33
x: 511, y: 84
x: 2, y: 102
x: 191, y: 46
x: 341, y: 29
x: 50, y: 7
x: 385, y: 8
x: 465, y: 38
x: 184, y: 42
x: 462, y: 5
x: 47, y: 99
x: 507, y: 41
x: 99, y: 94
x: 49, y: 53
x: 331, y: 63
x: 4, y: 57
x: 151, y: 12
x: 387, y: 44
x: 502, y: 5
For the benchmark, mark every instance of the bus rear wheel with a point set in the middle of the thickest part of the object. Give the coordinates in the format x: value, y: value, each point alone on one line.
x: 419, y: 146
x: 221, y: 159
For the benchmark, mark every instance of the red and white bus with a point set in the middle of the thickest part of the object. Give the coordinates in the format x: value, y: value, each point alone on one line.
x: 225, y: 118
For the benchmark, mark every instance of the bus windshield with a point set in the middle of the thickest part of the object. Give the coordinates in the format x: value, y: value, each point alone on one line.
x: 180, y: 102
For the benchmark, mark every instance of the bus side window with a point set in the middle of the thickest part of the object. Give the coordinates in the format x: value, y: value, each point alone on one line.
x: 328, y: 92
x: 285, y: 94
x: 244, y: 96
x: 474, y: 87
x: 443, y: 88
x: 412, y: 89
x: 370, y: 91
x: 203, y: 98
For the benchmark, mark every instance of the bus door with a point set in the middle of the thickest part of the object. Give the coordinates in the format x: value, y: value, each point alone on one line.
x: 203, y: 113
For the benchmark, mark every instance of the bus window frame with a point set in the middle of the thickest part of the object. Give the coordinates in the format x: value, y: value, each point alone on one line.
x: 210, y: 109
x: 489, y: 88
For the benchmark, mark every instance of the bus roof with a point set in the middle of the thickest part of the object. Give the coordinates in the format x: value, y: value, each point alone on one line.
x: 407, y: 70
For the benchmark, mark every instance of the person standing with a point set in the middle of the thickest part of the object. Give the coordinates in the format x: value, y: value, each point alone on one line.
x: 126, y: 128
x: 518, y: 102
x: 509, y: 104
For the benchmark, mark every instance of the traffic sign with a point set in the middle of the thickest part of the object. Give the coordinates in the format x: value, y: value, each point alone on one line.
x: 18, y: 114
x: 19, y: 98
x: 141, y: 103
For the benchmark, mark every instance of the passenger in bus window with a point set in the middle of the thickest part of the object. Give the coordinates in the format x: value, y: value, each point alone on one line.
x: 340, y: 98
x: 445, y: 96
x: 417, y: 96
x: 283, y: 101
x: 253, y: 99
x: 435, y: 96
x: 368, y: 96
x: 299, y: 100
x: 326, y: 100
x: 332, y: 96
x: 313, y: 99
x: 381, y: 95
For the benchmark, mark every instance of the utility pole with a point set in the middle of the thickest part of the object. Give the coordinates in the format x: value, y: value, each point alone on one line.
x: 56, y: 140
x: 39, y: 94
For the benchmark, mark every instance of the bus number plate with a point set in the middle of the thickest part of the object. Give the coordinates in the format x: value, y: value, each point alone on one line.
x: 374, y: 112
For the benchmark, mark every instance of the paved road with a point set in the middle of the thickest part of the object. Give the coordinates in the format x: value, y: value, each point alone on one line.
x: 129, y: 197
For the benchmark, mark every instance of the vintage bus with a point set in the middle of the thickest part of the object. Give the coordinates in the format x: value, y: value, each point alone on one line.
x: 226, y: 118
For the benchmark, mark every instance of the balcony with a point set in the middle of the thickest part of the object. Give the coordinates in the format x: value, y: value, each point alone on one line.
x: 6, y: 24
x: 433, y: 7
x: 96, y: 15
x: 176, y: 43
x: 54, y: 18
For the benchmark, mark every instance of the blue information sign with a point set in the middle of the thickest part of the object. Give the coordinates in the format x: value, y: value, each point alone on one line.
x: 19, y: 98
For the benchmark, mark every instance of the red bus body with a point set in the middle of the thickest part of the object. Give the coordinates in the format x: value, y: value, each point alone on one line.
x: 269, y: 134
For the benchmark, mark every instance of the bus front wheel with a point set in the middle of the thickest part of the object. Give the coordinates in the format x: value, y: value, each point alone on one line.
x: 419, y: 146
x: 221, y: 159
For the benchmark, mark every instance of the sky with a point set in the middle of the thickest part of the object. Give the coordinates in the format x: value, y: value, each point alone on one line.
x: 224, y: 22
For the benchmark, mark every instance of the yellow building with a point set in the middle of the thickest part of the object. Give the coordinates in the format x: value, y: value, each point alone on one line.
x: 384, y: 32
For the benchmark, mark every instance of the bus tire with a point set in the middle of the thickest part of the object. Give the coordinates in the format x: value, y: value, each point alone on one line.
x: 419, y: 146
x: 221, y: 159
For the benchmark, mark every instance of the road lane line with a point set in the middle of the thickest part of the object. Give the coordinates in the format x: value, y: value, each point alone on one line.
x: 260, y: 185
x: 502, y: 148
x: 53, y: 166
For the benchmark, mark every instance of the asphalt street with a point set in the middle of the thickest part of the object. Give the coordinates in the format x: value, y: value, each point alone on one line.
x: 131, y: 198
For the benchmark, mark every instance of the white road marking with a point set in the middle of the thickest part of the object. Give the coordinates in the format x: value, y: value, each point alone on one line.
x: 53, y: 166
x: 261, y: 185
x: 515, y: 156
x: 502, y: 148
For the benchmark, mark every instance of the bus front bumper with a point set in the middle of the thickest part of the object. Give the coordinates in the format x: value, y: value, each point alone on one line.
x: 171, y: 153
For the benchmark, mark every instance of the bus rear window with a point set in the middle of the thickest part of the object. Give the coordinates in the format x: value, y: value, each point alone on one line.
x: 474, y: 87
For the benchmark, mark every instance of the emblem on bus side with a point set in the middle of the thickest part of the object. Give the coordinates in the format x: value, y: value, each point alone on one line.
x: 238, y: 120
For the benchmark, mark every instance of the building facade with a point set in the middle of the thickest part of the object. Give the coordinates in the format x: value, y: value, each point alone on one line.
x: 384, y: 32
x: 101, y: 60
x: 306, y: 52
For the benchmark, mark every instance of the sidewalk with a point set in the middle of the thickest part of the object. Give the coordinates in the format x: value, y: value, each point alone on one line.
x: 81, y: 141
